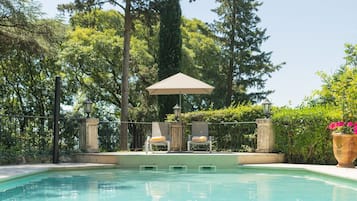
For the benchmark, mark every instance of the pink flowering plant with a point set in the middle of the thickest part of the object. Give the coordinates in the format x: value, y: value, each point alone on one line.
x: 343, y: 127
x: 341, y: 88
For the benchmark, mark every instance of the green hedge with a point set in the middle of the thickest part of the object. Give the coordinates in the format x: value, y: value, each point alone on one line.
x: 233, y: 129
x: 242, y: 113
x: 302, y: 134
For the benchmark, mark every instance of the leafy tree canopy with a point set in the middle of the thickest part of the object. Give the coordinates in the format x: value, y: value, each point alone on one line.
x: 340, y: 88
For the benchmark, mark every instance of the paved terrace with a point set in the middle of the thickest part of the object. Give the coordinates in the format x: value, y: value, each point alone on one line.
x: 13, y: 171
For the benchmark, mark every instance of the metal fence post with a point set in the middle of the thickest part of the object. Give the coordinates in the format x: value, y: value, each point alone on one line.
x: 56, y: 113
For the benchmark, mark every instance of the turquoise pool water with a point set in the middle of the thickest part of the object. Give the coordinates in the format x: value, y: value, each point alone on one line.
x: 239, y: 184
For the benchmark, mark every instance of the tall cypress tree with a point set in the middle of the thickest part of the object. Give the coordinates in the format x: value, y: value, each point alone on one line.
x: 169, y: 49
x: 245, y: 65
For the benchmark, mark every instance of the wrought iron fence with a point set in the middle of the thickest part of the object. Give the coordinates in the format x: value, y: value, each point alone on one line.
x: 22, y: 137
x: 25, y: 138
x: 231, y: 136
x: 30, y: 138
x: 109, y: 135
x: 228, y: 136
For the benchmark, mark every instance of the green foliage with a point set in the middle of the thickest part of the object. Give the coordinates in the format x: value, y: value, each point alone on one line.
x: 99, y: 20
x: 200, y: 58
x: 91, y: 63
x: 94, y: 62
x: 339, y: 89
x: 239, y: 113
x: 351, y: 55
x: 302, y: 134
x: 92, y: 58
x: 244, y: 65
x: 233, y: 129
x: 70, y: 128
x: 170, y: 43
x: 29, y: 47
x: 18, y: 27
x: 25, y: 139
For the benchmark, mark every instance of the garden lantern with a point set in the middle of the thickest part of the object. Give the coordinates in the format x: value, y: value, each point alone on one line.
x: 266, y: 108
x: 88, y: 107
x: 177, y: 112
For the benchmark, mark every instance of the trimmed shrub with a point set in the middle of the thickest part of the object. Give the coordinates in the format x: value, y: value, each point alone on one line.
x: 233, y: 129
x: 302, y: 134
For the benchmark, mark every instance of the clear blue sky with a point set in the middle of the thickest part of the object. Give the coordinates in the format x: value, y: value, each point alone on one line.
x: 309, y: 35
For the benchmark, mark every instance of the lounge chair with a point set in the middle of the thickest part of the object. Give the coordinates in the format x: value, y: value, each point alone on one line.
x: 159, y: 136
x: 199, y: 136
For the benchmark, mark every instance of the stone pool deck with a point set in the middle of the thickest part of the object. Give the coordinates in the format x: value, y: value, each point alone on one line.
x: 331, y: 170
x: 14, y: 171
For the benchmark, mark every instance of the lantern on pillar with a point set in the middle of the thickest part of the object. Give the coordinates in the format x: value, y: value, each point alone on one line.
x: 177, y: 112
x: 88, y: 107
x: 266, y: 108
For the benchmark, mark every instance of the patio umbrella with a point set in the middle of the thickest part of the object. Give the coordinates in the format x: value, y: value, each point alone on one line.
x: 179, y: 84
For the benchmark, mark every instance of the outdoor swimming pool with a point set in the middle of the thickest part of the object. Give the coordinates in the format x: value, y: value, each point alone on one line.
x: 243, y: 184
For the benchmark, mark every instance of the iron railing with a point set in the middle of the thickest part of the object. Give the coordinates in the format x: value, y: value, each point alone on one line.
x: 228, y: 136
x: 25, y: 138
x: 30, y: 138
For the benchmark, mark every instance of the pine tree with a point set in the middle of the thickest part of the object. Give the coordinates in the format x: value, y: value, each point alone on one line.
x: 245, y: 66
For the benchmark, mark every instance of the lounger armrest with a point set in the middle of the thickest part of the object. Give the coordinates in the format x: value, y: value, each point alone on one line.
x: 147, y: 144
x: 168, y: 137
x: 189, y: 137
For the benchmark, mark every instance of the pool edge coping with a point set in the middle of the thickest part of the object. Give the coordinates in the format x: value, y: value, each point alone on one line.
x: 329, y: 170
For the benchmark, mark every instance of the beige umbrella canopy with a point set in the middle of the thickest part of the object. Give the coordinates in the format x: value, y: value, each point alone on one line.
x: 179, y: 84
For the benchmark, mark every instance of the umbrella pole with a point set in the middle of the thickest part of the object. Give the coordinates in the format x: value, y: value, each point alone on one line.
x: 180, y: 107
x: 180, y: 100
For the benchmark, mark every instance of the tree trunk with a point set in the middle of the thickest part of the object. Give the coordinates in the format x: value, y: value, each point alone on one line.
x: 230, y: 70
x: 229, y: 83
x: 125, y: 83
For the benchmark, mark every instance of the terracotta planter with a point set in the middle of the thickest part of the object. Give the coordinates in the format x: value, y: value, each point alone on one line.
x: 344, y: 149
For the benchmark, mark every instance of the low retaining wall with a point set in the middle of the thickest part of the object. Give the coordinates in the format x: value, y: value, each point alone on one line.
x: 190, y: 160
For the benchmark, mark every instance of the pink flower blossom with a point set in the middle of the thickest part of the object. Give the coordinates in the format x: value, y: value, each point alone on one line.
x: 342, y: 127
x: 332, y: 126
x: 340, y: 123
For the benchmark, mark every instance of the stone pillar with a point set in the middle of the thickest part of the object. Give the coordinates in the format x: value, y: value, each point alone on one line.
x: 265, y: 137
x: 88, y: 135
x: 176, y: 136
